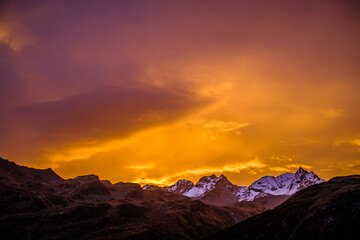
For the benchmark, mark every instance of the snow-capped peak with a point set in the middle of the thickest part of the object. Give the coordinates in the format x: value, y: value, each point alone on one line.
x: 284, y: 184
x: 181, y: 186
x: 287, y: 183
x: 300, y: 172
x: 222, y: 177
x: 205, y: 184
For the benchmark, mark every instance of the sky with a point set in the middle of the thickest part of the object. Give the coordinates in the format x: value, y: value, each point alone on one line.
x: 156, y: 91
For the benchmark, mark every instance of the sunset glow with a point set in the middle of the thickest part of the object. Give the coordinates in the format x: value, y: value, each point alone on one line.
x: 156, y: 91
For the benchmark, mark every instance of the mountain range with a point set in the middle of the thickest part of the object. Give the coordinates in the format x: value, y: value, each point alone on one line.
x: 221, y: 192
x: 39, y: 204
x: 328, y: 211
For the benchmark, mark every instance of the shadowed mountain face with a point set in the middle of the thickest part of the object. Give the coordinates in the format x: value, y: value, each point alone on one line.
x: 329, y: 210
x: 38, y: 204
x: 12, y: 172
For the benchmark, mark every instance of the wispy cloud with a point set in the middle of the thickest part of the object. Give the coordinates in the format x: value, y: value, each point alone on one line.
x: 13, y: 33
x: 233, y: 168
x: 224, y: 126
x: 141, y: 167
x: 332, y: 112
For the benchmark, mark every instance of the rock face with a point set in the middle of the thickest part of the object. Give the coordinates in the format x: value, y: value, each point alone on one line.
x: 180, y: 187
x: 38, y: 204
x: 221, y: 192
x: 329, y: 210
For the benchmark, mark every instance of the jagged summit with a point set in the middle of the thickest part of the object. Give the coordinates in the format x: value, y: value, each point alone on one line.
x: 180, y: 186
x: 205, y: 185
x: 326, y: 211
x: 287, y: 183
x: 222, y: 176
x: 215, y: 188
x: 207, y: 179
x: 301, y: 170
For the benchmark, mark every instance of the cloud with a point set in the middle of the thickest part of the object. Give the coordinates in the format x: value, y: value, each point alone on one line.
x: 224, y: 126
x: 347, y: 143
x: 80, y: 126
x: 141, y: 167
x: 13, y: 33
x: 297, y: 165
x: 15, y: 37
x: 284, y: 164
x: 279, y: 169
x: 108, y: 112
x: 56, y: 155
x: 356, y: 142
x: 332, y: 112
x: 87, y: 83
x: 232, y: 168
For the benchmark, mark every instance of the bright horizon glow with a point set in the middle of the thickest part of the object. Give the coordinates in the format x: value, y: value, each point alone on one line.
x: 153, y: 93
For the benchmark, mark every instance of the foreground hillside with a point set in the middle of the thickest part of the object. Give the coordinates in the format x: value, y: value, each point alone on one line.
x: 38, y: 204
x: 328, y: 211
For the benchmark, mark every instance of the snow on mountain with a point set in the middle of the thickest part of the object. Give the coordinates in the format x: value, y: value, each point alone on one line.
x: 205, y: 184
x: 151, y: 187
x: 217, y: 187
x: 248, y: 194
x: 287, y: 183
x: 181, y: 187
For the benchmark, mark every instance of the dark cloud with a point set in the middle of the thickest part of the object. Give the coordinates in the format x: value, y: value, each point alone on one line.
x: 13, y: 89
x: 108, y: 112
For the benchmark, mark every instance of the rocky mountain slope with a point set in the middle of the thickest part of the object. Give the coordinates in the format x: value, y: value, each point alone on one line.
x: 328, y: 211
x: 38, y: 204
x: 220, y: 191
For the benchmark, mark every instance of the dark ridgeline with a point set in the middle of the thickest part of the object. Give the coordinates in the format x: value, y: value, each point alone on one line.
x: 325, y: 211
x: 38, y: 204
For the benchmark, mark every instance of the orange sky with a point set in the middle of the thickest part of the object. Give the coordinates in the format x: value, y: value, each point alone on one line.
x: 152, y: 92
